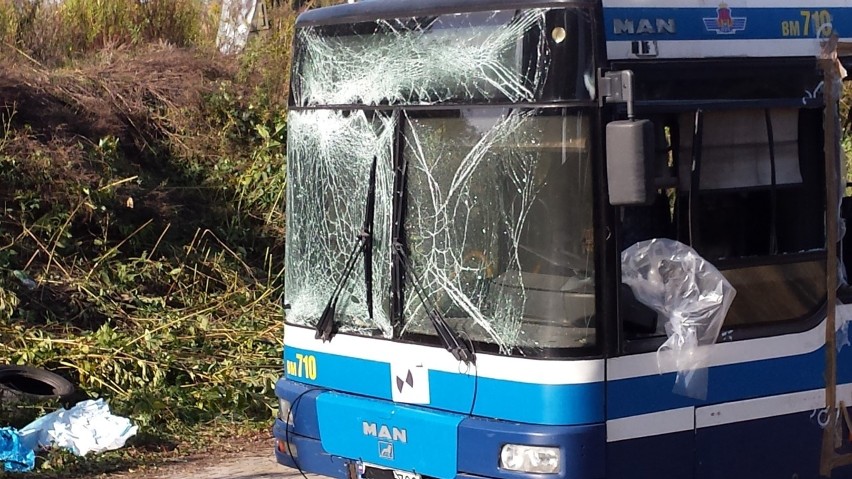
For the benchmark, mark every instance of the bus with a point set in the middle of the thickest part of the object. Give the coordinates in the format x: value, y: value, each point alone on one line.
x: 567, y: 239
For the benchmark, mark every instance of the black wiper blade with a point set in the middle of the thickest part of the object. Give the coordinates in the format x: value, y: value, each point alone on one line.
x: 367, y: 237
x: 326, y: 326
x: 451, y: 340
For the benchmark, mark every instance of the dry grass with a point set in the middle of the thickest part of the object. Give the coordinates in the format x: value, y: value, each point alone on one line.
x: 54, y: 32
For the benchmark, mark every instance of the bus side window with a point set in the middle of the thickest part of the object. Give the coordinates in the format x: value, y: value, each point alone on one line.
x: 758, y: 210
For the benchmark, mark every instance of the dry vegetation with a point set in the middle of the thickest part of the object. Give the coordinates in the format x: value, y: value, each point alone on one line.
x: 141, y: 213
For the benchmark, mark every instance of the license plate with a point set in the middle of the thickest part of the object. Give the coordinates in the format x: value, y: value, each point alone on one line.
x: 405, y: 475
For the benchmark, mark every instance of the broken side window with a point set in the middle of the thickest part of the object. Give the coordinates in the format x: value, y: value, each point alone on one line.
x: 749, y: 196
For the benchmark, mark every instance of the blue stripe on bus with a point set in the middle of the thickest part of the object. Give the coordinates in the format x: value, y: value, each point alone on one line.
x: 732, y: 382
x: 342, y: 373
x: 701, y: 24
x: 575, y: 404
x: 565, y: 404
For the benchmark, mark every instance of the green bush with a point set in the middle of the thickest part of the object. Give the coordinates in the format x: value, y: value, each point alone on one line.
x: 142, y: 192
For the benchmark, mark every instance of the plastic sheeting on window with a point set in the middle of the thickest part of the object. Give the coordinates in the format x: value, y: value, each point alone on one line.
x: 329, y: 157
x: 459, y: 57
x: 690, y: 295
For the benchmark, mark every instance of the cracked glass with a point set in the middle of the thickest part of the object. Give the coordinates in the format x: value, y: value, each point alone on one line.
x: 329, y: 159
x: 495, y: 203
x: 509, y: 55
x: 499, y: 226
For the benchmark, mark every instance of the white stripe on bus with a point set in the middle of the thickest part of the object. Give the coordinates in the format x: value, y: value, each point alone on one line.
x: 522, y: 370
x: 689, y: 418
x: 675, y: 48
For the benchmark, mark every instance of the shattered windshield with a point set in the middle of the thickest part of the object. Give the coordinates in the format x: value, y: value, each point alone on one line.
x: 498, y: 222
x: 496, y: 219
x: 490, y: 204
x: 513, y: 56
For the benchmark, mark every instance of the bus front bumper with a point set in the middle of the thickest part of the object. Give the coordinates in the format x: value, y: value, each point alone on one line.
x: 349, y: 437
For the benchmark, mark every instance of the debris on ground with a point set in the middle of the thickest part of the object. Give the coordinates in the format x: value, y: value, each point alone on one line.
x: 13, y: 454
x: 87, y: 427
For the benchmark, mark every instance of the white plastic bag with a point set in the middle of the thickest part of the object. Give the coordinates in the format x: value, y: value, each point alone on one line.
x: 86, y: 427
x: 691, y: 297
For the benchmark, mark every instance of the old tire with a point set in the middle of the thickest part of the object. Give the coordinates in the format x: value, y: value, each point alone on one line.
x: 24, y: 384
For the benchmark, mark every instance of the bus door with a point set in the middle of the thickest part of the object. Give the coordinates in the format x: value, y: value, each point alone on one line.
x: 743, y: 184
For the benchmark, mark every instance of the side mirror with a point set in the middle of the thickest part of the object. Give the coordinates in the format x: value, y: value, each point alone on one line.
x: 629, y: 145
x: 630, y: 156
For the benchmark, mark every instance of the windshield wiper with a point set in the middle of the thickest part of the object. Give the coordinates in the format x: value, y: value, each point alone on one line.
x: 450, y: 339
x: 326, y: 326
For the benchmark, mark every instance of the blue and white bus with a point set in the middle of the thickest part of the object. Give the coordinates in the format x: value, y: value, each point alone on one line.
x: 466, y: 179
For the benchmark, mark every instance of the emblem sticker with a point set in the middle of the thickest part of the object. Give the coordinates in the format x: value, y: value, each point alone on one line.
x: 410, y: 383
x: 725, y: 23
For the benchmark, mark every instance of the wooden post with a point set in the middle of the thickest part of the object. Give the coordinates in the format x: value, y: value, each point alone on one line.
x: 832, y: 77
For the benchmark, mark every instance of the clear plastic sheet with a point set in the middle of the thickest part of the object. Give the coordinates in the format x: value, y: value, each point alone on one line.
x: 329, y: 159
x: 691, y: 297
x: 425, y: 61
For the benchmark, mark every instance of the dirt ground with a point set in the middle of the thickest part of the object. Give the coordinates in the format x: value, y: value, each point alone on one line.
x: 256, y: 462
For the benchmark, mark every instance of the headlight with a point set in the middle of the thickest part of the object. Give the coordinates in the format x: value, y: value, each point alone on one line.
x: 544, y: 460
x: 284, y: 408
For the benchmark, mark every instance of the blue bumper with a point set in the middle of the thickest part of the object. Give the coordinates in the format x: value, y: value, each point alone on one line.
x: 333, y: 434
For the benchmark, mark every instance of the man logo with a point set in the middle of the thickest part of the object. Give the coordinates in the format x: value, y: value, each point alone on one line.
x: 644, y: 26
x: 385, y: 450
x: 382, y: 431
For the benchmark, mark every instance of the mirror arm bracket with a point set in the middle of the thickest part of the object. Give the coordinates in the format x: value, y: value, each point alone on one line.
x: 617, y: 87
